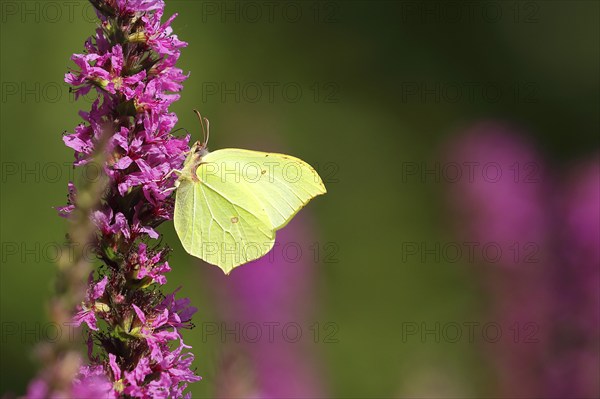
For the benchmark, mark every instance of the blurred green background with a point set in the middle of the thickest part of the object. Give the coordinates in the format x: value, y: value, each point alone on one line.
x: 353, y: 62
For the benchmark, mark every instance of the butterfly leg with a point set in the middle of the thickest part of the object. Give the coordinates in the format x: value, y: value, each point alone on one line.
x: 169, y: 190
x: 179, y: 172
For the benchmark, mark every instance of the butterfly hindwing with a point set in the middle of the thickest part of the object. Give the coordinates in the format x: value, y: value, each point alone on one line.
x: 227, y: 214
x: 216, y: 230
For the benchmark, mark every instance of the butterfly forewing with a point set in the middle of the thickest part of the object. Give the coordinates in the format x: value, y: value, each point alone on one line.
x: 280, y: 184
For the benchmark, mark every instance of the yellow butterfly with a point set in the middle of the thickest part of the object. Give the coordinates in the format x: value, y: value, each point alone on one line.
x: 230, y: 202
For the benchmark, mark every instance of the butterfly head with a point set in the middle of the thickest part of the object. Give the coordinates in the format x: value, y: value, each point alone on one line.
x: 199, y: 149
x: 192, y: 161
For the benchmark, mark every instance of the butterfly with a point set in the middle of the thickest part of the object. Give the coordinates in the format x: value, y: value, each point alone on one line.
x: 230, y: 202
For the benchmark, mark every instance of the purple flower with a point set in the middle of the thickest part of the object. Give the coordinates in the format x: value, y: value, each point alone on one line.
x: 575, y: 360
x: 89, y: 75
x: 159, y: 35
x: 499, y: 200
x: 173, y: 369
x: 37, y: 389
x: 180, y: 311
x: 110, y: 224
x: 546, y: 283
x: 92, y: 382
x: 129, y: 64
x: 154, y: 331
x: 66, y: 210
x: 87, y: 310
x: 134, y: 6
x: 150, y: 265
x: 272, y: 291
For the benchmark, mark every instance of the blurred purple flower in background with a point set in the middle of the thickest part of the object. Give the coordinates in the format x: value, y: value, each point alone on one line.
x: 544, y: 283
x: 575, y: 363
x: 274, y: 290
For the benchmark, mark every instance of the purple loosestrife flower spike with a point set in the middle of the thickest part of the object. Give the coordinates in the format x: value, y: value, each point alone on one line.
x: 575, y: 363
x: 134, y: 330
x: 548, y: 290
x: 504, y: 211
x: 276, y: 291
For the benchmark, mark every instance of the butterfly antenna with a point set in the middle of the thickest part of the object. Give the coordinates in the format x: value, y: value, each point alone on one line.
x: 181, y: 128
x: 205, y: 128
x: 207, y: 123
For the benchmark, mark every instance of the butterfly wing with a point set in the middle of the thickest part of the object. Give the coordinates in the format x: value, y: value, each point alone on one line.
x: 280, y: 184
x: 228, y: 215
x: 219, y: 229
